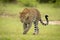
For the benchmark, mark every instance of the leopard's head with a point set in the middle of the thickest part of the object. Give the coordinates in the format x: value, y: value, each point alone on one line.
x: 23, y: 17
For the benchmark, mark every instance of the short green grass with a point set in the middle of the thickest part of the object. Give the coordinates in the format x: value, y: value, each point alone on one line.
x: 12, y: 29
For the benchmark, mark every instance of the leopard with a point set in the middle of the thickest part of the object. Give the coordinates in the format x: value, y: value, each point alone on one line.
x: 29, y: 16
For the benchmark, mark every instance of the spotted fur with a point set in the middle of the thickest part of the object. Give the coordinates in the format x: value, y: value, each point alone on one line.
x: 29, y: 15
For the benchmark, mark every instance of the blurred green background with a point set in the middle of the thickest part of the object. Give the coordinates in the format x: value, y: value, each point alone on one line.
x: 11, y: 28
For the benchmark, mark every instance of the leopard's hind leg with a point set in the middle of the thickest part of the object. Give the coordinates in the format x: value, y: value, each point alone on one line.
x: 36, y: 29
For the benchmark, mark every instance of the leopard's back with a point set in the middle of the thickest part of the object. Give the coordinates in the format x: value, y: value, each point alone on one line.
x: 31, y: 13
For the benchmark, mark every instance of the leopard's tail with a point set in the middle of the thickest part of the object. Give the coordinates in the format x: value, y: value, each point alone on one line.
x: 46, y: 17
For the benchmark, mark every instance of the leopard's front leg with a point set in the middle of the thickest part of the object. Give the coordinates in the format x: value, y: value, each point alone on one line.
x: 27, y: 28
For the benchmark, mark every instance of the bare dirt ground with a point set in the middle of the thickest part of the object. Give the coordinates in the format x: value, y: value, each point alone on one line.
x: 10, y: 15
x: 54, y: 22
